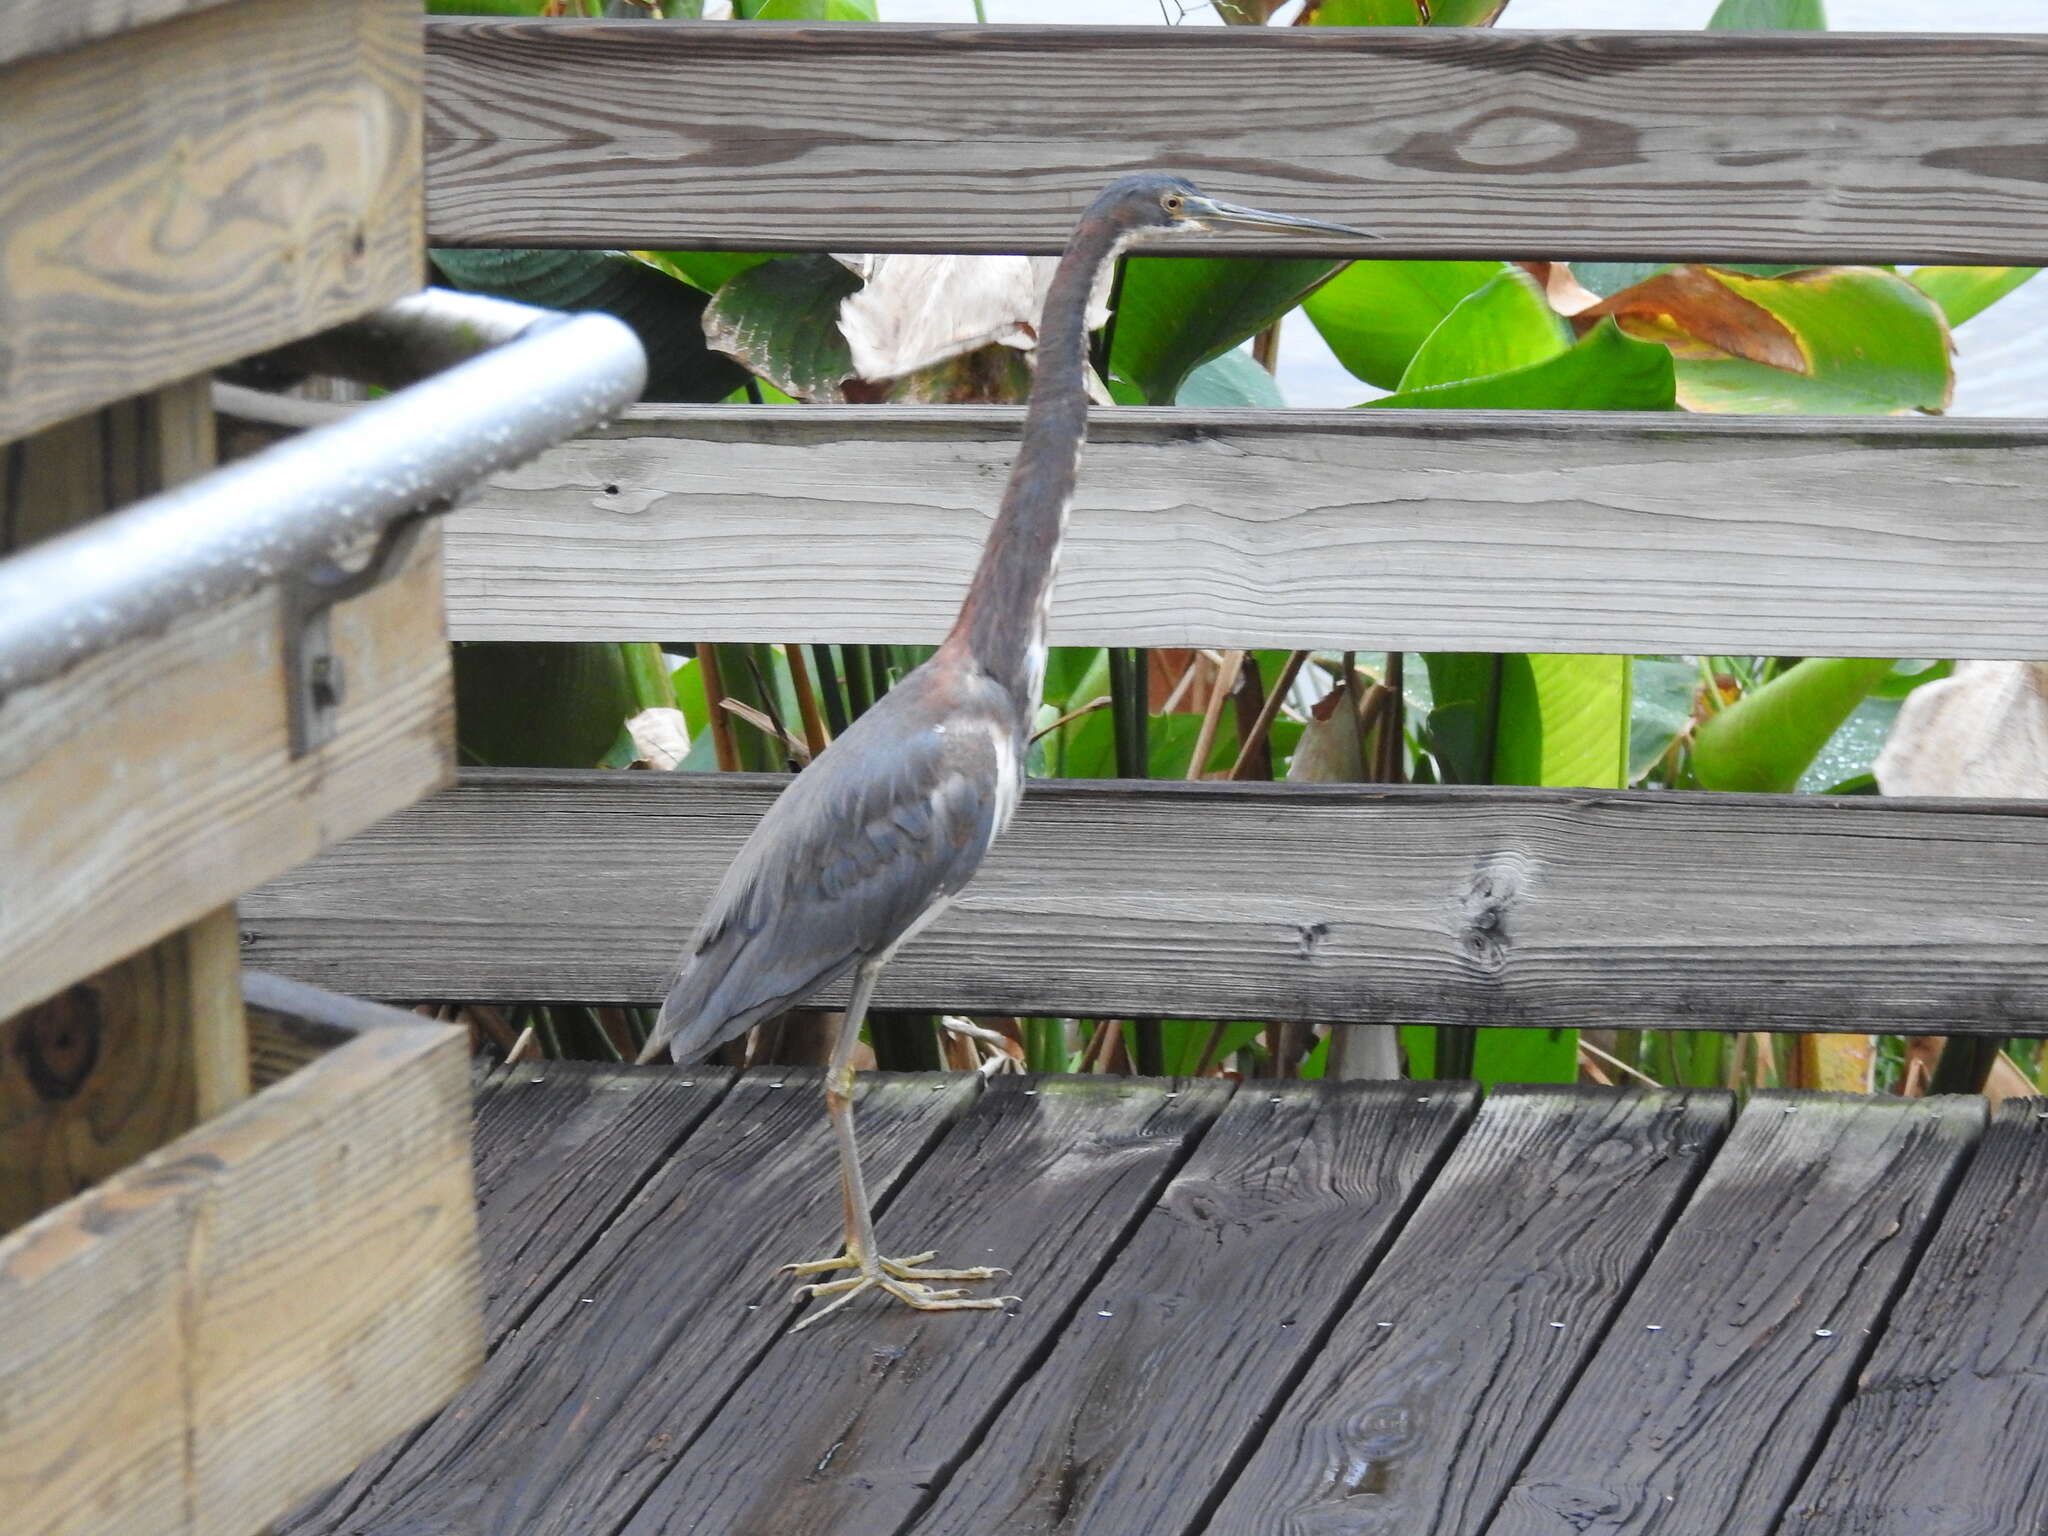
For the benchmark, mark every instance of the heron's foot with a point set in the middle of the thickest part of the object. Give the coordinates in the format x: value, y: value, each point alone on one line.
x: 901, y: 1278
x: 897, y: 1269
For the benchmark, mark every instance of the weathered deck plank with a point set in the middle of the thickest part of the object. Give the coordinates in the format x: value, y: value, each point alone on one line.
x: 1446, y: 142
x: 1479, y: 531
x: 619, y: 1364
x: 849, y: 1427
x: 1704, y: 1404
x: 1442, y: 1375
x: 561, y: 1148
x: 1211, y: 1309
x: 1948, y: 1430
x: 1361, y: 904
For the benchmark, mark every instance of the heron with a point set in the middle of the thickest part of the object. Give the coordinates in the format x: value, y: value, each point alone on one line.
x: 874, y: 839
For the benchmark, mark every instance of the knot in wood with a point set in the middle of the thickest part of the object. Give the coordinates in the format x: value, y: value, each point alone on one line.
x: 57, y: 1043
x: 1485, y: 907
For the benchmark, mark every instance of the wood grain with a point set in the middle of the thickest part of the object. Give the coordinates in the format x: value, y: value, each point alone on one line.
x: 1178, y: 1355
x: 32, y: 29
x: 1505, y: 531
x: 118, y: 1064
x: 623, y: 1360
x: 848, y: 1428
x: 188, y: 193
x: 153, y: 783
x: 1948, y: 1427
x: 122, y: 1060
x: 1359, y: 904
x: 1416, y: 1412
x: 208, y: 1336
x: 561, y: 1148
x: 1702, y: 1407
x: 1783, y: 147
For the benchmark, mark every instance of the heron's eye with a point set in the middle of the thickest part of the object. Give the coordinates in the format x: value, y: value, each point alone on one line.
x: 1171, y: 202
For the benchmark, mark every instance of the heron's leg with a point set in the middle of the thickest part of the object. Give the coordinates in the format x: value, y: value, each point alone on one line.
x: 901, y: 1278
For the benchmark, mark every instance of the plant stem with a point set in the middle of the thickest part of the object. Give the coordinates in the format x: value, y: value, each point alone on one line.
x: 806, y: 700
x: 860, y: 693
x: 723, y: 748
x: 828, y: 688
x: 1255, y: 738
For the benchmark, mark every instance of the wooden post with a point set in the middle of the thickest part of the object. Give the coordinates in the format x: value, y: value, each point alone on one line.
x: 116, y: 1064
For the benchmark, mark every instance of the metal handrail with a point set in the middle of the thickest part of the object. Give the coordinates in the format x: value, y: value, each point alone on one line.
x: 529, y: 379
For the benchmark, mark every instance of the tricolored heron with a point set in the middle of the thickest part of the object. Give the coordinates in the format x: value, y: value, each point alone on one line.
x: 876, y: 837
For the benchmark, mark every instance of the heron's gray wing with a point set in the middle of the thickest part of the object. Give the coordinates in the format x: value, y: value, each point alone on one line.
x: 851, y: 854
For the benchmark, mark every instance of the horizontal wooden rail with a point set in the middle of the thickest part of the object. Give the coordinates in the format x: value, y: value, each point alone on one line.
x: 1430, y: 531
x: 1500, y: 906
x: 1785, y: 147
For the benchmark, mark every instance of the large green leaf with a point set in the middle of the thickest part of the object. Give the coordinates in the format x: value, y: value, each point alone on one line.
x: 1660, y: 709
x: 1966, y: 291
x: 1234, y: 379
x: 782, y: 320
x: 666, y: 315
x: 1375, y: 314
x: 708, y: 270
x: 1564, y: 721
x: 1765, y: 740
x: 805, y: 10
x: 1504, y: 325
x: 1768, y: 15
x: 1175, y: 313
x: 540, y: 705
x: 1605, y: 371
x: 1875, y: 345
x: 1407, y: 13
x: 1463, y: 715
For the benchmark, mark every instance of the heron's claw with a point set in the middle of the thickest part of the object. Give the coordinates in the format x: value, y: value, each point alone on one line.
x: 901, y: 1278
x: 900, y: 1269
x: 909, y: 1292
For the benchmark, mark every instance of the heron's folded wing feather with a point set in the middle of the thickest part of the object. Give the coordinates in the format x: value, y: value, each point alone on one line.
x: 845, y: 861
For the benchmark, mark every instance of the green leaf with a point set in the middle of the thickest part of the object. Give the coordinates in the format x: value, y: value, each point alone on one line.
x: 536, y: 704
x: 1875, y: 346
x: 782, y: 320
x: 1464, y: 709
x: 805, y: 10
x: 708, y: 270
x: 666, y: 315
x: 1186, y: 1039
x: 1176, y: 313
x: 1768, y: 15
x: 1564, y: 722
x: 1505, y: 325
x: 1374, y: 315
x: 486, y: 7
x: 1965, y: 291
x: 1074, y: 674
x: 1234, y: 379
x: 1525, y: 1056
x: 1407, y: 13
x: 1766, y: 739
x: 1606, y: 371
x: 1660, y: 709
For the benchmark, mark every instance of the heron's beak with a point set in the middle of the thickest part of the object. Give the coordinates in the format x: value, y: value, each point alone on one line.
x: 1209, y: 213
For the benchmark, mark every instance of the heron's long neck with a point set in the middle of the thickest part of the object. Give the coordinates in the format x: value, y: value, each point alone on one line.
x: 1003, y: 618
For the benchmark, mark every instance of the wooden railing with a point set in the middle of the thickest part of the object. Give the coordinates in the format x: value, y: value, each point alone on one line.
x: 1444, y: 530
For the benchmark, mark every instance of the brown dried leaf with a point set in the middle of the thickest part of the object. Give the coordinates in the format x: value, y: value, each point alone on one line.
x: 1981, y: 731
x: 1694, y: 313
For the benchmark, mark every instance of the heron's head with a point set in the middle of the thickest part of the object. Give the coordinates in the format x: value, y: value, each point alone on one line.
x: 1158, y: 201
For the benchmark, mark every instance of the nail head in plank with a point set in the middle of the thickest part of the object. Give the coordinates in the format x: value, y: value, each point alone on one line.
x: 1718, y: 1378
x: 1948, y: 1428
x: 618, y: 1366
x: 561, y: 1148
x: 1297, y: 901
x: 1452, y: 142
x: 1503, y: 530
x: 1423, y: 1402
x: 1179, y: 1352
x: 847, y: 1426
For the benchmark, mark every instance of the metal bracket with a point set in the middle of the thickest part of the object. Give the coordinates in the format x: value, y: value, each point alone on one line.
x: 313, y: 681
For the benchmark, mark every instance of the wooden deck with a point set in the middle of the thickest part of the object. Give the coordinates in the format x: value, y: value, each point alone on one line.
x: 1278, y: 1307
